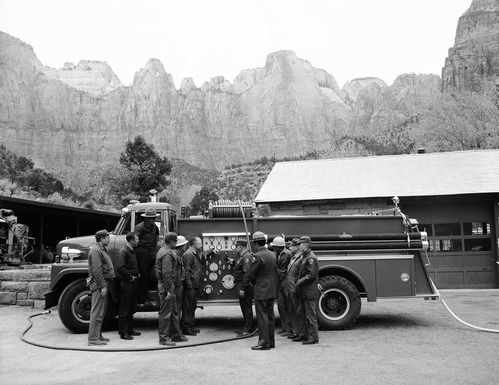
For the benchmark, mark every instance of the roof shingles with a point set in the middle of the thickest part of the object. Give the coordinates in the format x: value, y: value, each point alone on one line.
x: 439, y: 173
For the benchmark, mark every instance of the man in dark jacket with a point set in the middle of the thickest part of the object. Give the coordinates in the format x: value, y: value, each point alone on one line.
x: 266, y: 284
x: 290, y: 287
x: 241, y: 268
x: 192, y: 282
x: 148, y: 234
x: 308, y: 293
x: 128, y: 272
x: 283, y: 256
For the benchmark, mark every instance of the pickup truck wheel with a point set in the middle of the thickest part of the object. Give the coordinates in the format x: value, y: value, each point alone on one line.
x: 339, y: 303
x: 75, y: 305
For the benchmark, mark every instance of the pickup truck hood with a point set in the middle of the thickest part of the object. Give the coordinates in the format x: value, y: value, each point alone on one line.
x: 81, y: 243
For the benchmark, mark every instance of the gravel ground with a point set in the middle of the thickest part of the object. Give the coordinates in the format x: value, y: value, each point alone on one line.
x: 403, y: 341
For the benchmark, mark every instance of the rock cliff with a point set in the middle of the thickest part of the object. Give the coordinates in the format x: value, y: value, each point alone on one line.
x: 83, y: 115
x: 475, y: 54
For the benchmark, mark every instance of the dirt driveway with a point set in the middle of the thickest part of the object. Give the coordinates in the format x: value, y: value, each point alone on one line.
x: 404, y: 341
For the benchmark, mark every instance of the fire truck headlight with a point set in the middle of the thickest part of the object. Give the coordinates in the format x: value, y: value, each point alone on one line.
x: 68, y: 254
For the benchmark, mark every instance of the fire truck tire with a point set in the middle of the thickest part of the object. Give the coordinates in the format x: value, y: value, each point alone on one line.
x: 338, y: 305
x: 75, y: 305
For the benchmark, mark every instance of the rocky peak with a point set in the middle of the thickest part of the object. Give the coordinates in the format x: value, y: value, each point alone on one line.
x: 475, y: 55
x: 217, y: 83
x: 153, y: 75
x: 16, y: 54
x: 285, y: 66
x: 351, y: 89
x: 91, y: 76
x: 187, y: 85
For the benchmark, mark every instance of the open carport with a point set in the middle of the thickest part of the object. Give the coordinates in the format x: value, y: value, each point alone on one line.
x: 49, y: 223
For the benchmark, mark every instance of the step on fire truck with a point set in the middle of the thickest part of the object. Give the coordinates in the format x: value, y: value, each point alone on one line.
x: 360, y: 256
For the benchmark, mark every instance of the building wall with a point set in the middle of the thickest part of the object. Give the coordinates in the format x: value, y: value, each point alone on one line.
x: 331, y: 208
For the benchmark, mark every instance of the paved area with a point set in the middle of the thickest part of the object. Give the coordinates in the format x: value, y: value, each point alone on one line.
x: 403, y: 341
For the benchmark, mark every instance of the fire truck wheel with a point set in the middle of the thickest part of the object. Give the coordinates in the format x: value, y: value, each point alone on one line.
x: 75, y: 305
x: 339, y: 303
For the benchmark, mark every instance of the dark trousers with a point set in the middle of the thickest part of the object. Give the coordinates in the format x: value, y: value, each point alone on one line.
x: 189, y: 306
x: 283, y: 309
x: 128, y: 299
x: 266, y: 323
x: 246, y: 304
x: 145, y: 261
x: 293, y: 317
x: 176, y: 308
x: 309, y: 327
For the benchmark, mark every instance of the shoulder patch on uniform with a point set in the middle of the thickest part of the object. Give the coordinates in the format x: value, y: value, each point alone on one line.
x: 311, y: 261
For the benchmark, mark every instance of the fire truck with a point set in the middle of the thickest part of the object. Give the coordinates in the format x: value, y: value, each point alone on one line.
x: 372, y: 256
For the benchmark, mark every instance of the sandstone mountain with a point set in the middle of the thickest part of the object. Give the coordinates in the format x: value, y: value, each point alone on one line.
x: 475, y: 54
x: 80, y: 116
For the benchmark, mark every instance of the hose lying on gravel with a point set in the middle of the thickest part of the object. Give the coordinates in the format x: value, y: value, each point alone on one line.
x: 122, y: 350
x: 456, y: 317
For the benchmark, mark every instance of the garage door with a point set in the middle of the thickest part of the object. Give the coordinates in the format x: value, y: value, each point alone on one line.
x: 461, y: 254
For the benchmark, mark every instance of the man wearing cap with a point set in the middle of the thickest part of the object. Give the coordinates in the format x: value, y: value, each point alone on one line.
x: 241, y: 267
x: 165, y: 273
x: 128, y: 273
x: 283, y: 257
x: 306, y: 286
x: 148, y: 234
x: 293, y: 272
x: 101, y: 274
x: 266, y: 284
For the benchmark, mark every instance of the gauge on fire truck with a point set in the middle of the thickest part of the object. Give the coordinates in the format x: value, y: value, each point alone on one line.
x: 228, y: 282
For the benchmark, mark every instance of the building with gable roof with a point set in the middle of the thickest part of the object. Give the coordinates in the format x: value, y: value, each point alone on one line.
x: 453, y: 195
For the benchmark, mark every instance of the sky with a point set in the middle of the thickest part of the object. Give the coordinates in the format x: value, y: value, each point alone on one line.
x: 207, y: 38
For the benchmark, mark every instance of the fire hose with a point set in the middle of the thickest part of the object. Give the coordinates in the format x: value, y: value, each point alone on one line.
x: 23, y: 338
x: 456, y: 317
x: 23, y: 334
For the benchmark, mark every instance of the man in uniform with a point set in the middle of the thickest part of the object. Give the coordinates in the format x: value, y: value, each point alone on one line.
x: 308, y: 293
x: 192, y: 283
x: 128, y: 272
x: 290, y: 289
x: 266, y: 285
x: 243, y: 286
x: 166, y: 260
x: 283, y: 257
x: 101, y: 274
x: 148, y: 234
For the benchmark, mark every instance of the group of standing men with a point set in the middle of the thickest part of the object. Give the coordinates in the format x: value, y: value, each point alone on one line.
x: 178, y: 271
x: 291, y: 276
x: 288, y: 274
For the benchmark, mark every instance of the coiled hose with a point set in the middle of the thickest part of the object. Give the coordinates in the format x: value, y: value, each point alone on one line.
x: 23, y: 338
